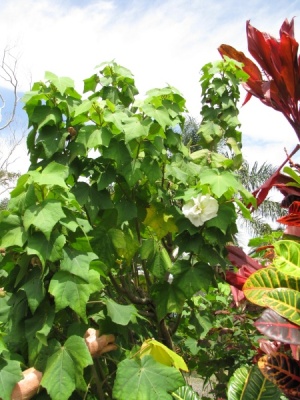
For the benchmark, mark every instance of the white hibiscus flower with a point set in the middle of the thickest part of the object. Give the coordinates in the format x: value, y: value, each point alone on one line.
x: 200, y: 209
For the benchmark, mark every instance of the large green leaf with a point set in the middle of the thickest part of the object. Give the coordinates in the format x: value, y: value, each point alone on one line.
x: 70, y: 291
x: 54, y: 174
x: 283, y: 371
x: 146, y: 379
x: 134, y: 128
x: 287, y: 258
x: 45, y: 115
x: 286, y: 302
x: 160, y: 263
x: 34, y: 288
x: 44, y: 216
x: 193, y: 278
x: 61, y: 83
x: 160, y: 114
x: 77, y: 263
x: 12, y: 230
x: 168, y: 299
x: 10, y: 374
x: 220, y: 181
x: 249, y: 384
x: 264, y: 280
x: 121, y: 314
x: 209, y: 131
x: 50, y: 141
x: 91, y: 136
x: 46, y: 249
x: 61, y: 376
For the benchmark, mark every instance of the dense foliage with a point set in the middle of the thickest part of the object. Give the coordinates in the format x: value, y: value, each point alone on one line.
x: 119, y: 236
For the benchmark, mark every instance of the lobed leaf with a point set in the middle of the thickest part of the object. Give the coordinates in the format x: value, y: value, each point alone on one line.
x: 60, y: 377
x: 145, y: 379
x: 10, y: 374
x: 121, y: 314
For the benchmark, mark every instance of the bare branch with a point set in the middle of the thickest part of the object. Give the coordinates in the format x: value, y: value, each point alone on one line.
x: 8, y: 72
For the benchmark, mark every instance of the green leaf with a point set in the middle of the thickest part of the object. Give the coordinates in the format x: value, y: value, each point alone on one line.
x: 162, y: 354
x: 168, y: 299
x: 40, y: 325
x: 249, y: 384
x: 61, y: 83
x: 265, y: 280
x: 210, y: 131
x: 77, y: 263
x: 146, y: 379
x: 12, y: 231
x: 226, y: 217
x: 160, y: 114
x: 46, y: 249
x: 50, y: 140
x: 44, y: 216
x: 151, y: 169
x: 193, y: 278
x: 90, y: 84
x: 83, y: 108
x: 134, y: 128
x: 60, y: 377
x: 219, y: 181
x: 287, y: 258
x: 34, y: 288
x: 185, y: 393
x: 45, y: 115
x: 286, y: 302
x: 160, y: 263
x: 121, y: 314
x: 53, y: 174
x: 70, y: 291
x: 10, y: 374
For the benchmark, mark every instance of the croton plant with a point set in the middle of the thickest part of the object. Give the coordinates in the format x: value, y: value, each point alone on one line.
x: 271, y: 280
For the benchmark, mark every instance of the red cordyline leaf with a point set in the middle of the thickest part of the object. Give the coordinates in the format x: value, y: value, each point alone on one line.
x: 279, y: 181
x: 278, y: 85
x: 246, y: 266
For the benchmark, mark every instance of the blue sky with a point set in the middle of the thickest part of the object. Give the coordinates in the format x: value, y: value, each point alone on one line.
x: 160, y: 41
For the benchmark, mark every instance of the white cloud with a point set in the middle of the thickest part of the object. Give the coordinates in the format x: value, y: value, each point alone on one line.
x: 160, y: 42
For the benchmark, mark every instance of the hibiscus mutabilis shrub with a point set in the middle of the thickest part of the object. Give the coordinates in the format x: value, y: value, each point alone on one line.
x: 91, y: 229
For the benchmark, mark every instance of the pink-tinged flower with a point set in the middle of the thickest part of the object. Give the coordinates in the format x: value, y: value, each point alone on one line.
x: 277, y: 82
x: 200, y: 209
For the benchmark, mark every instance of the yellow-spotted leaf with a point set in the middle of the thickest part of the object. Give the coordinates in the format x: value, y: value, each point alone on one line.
x: 286, y: 302
x: 265, y: 280
x: 162, y: 354
x: 159, y: 220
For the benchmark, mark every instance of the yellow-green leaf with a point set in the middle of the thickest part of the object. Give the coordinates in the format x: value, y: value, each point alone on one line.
x: 162, y: 354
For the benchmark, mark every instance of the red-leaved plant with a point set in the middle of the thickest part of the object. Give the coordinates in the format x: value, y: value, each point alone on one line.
x: 274, y: 285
